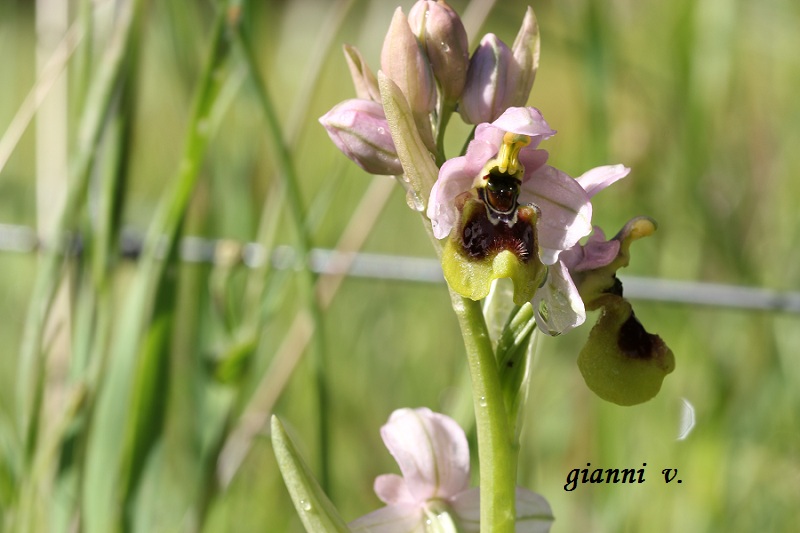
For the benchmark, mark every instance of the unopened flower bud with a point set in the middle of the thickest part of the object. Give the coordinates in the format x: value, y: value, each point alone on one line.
x: 359, y: 129
x: 491, y: 84
x: 363, y: 79
x: 404, y: 63
x: 621, y: 362
x: 441, y: 32
x: 526, y: 54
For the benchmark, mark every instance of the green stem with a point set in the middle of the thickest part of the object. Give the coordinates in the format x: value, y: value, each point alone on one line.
x: 495, y: 451
x: 441, y: 126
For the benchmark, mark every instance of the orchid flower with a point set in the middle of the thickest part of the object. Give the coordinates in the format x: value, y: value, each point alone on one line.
x: 433, y: 492
x: 504, y: 173
x: 620, y: 362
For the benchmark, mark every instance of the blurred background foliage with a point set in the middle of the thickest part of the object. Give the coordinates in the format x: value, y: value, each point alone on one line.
x: 137, y: 419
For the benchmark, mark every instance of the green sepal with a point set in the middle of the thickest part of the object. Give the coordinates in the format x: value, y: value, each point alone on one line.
x: 316, y: 511
x: 621, y: 362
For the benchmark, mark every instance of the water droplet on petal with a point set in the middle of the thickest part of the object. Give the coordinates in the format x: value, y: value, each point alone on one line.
x: 445, y: 47
x: 414, y: 200
x: 381, y: 130
x: 544, y: 311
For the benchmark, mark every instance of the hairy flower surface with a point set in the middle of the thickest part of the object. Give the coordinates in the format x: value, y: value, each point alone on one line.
x: 433, y: 454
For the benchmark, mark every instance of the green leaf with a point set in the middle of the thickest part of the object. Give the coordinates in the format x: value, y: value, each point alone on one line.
x: 315, y: 509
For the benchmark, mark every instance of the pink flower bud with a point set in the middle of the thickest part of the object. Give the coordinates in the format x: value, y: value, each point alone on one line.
x: 491, y: 82
x: 404, y: 63
x: 359, y: 129
x: 440, y: 30
x: 526, y: 54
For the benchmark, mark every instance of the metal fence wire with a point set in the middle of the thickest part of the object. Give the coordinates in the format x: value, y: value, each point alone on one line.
x: 23, y: 239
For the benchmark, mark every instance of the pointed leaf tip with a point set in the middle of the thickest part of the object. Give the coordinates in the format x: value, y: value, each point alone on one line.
x: 316, y: 511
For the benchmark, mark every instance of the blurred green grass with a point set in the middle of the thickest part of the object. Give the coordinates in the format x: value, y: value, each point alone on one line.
x: 697, y: 96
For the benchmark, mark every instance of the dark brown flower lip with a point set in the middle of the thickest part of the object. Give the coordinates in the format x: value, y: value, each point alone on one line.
x: 637, y: 343
x: 485, y: 233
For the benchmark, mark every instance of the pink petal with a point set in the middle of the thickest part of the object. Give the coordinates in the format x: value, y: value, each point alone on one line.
x: 597, y: 179
x: 489, y: 134
x: 392, y: 490
x: 431, y: 450
x: 526, y: 121
x: 359, y: 129
x: 532, y: 159
x: 566, y: 210
x: 407, y: 518
x: 596, y: 253
x: 557, y: 304
x: 479, y: 152
x: 457, y: 175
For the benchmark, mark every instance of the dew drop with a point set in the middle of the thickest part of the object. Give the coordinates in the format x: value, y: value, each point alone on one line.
x: 381, y: 130
x: 482, y: 401
x: 544, y: 310
x: 414, y: 201
x: 305, y: 505
x: 445, y: 47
